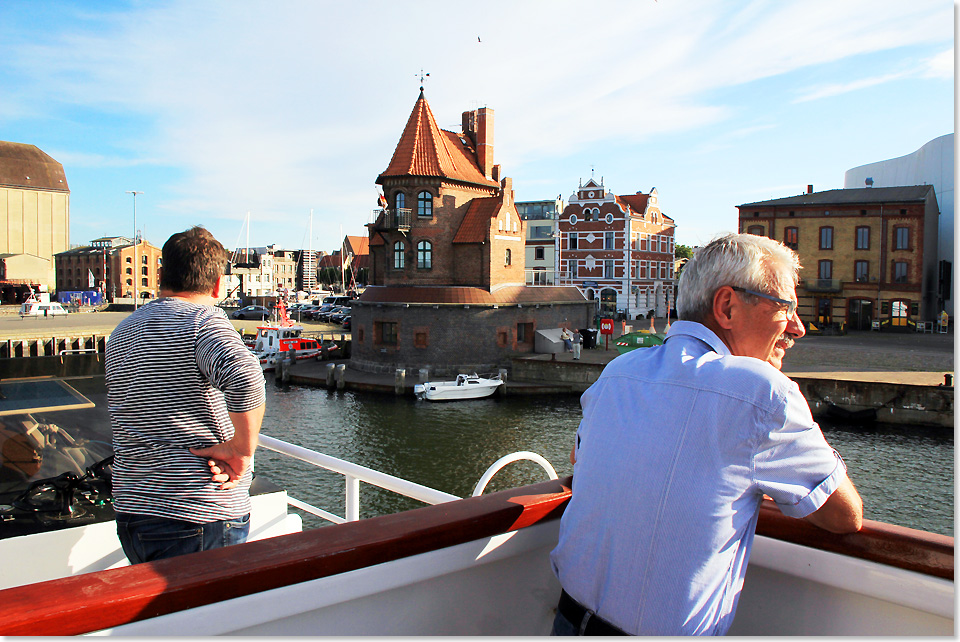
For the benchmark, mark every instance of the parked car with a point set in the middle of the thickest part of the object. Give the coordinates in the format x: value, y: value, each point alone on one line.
x: 337, y: 315
x: 300, y: 312
x: 326, y: 308
x: 37, y: 309
x: 309, y: 312
x: 346, y: 322
x: 251, y: 312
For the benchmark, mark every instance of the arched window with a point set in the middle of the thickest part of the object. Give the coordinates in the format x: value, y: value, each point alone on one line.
x: 425, y: 204
x: 424, y: 255
x: 400, y: 200
x: 506, y: 257
x: 398, y: 262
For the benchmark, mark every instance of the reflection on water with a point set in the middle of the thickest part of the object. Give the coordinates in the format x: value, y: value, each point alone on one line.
x: 905, y: 475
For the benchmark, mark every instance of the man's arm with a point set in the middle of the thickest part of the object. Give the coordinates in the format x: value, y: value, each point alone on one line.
x: 842, y: 512
x: 231, y: 459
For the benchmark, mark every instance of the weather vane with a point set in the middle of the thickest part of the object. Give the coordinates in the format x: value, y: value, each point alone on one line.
x: 422, y: 76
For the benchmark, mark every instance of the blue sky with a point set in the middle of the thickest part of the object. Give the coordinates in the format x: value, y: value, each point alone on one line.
x: 216, y: 109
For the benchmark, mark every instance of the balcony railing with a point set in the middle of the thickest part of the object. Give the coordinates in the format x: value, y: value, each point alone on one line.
x: 822, y: 285
x: 392, y: 219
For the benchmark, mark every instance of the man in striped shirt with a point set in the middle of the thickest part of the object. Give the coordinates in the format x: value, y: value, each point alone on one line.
x: 186, y: 400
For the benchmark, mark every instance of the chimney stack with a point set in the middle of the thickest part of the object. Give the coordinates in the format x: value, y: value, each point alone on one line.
x: 809, y: 189
x: 485, y: 140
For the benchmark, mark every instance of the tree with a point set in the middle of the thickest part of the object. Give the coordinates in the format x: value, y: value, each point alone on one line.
x: 683, y: 252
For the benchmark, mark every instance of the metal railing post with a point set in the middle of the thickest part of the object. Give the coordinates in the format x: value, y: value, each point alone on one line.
x: 352, y: 512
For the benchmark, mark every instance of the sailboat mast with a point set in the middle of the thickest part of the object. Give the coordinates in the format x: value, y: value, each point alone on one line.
x: 247, y: 252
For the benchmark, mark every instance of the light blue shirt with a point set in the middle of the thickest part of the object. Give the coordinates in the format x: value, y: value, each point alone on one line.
x: 677, y: 445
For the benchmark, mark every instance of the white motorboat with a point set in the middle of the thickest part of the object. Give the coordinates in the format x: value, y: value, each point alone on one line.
x: 466, y: 386
x: 474, y: 566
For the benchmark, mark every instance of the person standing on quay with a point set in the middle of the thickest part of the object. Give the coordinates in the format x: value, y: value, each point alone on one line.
x: 677, y: 447
x: 186, y: 400
x: 577, y: 344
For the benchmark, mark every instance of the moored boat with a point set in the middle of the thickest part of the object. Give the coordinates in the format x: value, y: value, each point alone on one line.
x: 466, y: 386
x: 285, y: 340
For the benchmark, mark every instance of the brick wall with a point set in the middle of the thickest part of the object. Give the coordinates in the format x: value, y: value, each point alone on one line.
x: 453, y: 338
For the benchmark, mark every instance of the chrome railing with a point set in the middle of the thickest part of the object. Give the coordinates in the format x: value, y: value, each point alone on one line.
x: 354, y: 474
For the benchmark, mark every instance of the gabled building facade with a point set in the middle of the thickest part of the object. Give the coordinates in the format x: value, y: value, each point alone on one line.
x: 446, y: 277
x: 619, y: 250
x: 867, y: 254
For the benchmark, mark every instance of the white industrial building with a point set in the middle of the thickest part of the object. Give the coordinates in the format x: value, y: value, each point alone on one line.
x: 932, y: 164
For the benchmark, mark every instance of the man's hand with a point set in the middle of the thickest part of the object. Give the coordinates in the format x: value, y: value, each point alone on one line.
x: 227, y: 464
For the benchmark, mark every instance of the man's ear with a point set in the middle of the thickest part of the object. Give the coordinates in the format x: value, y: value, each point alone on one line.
x: 724, y: 302
x: 217, y: 287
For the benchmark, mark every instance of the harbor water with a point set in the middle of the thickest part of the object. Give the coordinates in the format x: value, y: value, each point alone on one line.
x: 904, y: 474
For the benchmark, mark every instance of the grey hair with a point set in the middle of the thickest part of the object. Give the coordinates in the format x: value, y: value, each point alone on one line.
x: 745, y: 260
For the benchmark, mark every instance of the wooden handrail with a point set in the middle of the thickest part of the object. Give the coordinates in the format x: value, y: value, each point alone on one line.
x: 107, y: 599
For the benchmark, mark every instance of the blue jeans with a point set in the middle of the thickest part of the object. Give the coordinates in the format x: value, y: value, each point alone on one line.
x: 146, y: 538
x: 563, y: 626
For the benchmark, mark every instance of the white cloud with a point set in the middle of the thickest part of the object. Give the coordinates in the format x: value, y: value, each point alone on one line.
x: 279, y: 108
x: 835, y: 89
x: 940, y: 66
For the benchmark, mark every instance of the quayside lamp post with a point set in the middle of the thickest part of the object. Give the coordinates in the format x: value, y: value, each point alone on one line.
x: 136, y: 248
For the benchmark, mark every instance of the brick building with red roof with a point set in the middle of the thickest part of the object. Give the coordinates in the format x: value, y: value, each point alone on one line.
x: 446, y: 259
x: 619, y: 250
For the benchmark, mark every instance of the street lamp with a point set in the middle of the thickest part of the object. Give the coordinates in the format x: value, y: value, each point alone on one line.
x: 136, y: 248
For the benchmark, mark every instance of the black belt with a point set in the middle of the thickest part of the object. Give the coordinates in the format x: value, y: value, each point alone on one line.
x: 586, y: 621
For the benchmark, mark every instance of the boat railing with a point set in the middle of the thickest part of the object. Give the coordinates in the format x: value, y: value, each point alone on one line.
x: 355, y: 473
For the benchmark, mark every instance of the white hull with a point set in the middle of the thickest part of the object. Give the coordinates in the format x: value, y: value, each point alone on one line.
x: 465, y: 387
x: 269, y: 363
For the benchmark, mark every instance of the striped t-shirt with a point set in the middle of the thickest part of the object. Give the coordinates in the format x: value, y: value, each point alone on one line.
x: 175, y: 370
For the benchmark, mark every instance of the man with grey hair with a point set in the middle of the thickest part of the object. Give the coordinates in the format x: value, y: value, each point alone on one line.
x: 677, y: 447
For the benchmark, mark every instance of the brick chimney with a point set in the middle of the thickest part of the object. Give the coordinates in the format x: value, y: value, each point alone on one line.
x: 485, y: 140
x: 478, y: 126
x: 507, y: 186
x: 809, y: 189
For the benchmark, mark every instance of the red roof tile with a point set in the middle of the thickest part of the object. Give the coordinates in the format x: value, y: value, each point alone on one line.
x: 638, y: 203
x: 426, y: 150
x: 475, y: 226
x: 360, y: 245
x: 464, y: 295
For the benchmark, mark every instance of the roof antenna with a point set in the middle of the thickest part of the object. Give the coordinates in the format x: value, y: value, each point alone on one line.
x: 422, y: 76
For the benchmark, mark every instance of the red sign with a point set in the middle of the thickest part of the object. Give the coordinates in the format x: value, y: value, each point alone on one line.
x: 606, y: 326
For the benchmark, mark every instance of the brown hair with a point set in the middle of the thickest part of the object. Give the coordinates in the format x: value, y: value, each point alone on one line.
x: 193, y: 260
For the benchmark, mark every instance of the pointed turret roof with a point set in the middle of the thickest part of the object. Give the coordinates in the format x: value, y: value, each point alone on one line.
x: 426, y: 150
